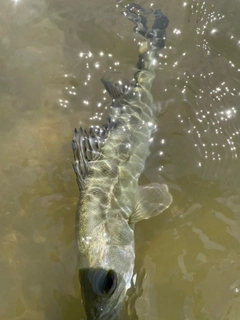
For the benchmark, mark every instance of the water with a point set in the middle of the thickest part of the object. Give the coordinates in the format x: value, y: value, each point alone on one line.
x: 52, y: 55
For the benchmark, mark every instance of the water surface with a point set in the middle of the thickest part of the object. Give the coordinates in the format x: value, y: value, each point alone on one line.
x: 52, y: 56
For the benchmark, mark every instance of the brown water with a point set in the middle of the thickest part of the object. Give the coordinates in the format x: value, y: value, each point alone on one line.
x: 52, y: 56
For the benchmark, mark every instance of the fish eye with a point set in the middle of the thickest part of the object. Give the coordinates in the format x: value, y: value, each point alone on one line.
x: 110, y: 282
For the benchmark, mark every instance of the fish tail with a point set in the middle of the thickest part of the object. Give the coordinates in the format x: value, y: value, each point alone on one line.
x: 153, y: 40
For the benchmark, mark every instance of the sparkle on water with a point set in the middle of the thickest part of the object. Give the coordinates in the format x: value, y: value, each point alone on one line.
x: 191, y: 251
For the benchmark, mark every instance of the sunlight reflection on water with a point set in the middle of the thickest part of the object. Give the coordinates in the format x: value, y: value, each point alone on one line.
x: 53, y: 54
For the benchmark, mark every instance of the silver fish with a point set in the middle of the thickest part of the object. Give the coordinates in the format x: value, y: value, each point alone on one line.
x: 108, y: 163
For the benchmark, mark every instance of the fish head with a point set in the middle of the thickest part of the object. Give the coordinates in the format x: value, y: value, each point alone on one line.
x: 104, y: 288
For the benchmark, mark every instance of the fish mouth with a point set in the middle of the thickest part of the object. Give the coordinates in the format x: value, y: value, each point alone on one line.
x: 100, y: 305
x: 111, y: 313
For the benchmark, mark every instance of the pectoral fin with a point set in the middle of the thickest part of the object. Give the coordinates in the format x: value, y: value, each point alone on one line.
x: 150, y: 200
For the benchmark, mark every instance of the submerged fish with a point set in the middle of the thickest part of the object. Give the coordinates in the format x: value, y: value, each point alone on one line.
x: 108, y: 163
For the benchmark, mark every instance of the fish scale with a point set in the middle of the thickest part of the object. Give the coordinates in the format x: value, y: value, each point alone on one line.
x: 108, y: 163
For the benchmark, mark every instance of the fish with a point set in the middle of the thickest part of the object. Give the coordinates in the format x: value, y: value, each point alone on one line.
x: 108, y: 161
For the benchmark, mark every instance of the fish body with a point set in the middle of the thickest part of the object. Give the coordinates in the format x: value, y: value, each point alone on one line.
x: 108, y: 163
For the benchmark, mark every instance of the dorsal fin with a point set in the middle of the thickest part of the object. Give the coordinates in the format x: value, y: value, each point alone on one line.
x: 86, y: 148
x: 116, y: 84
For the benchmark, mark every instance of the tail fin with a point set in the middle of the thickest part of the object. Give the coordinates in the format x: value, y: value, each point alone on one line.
x: 154, y: 38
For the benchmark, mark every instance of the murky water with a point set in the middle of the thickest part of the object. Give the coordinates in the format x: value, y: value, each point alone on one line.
x: 52, y: 56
